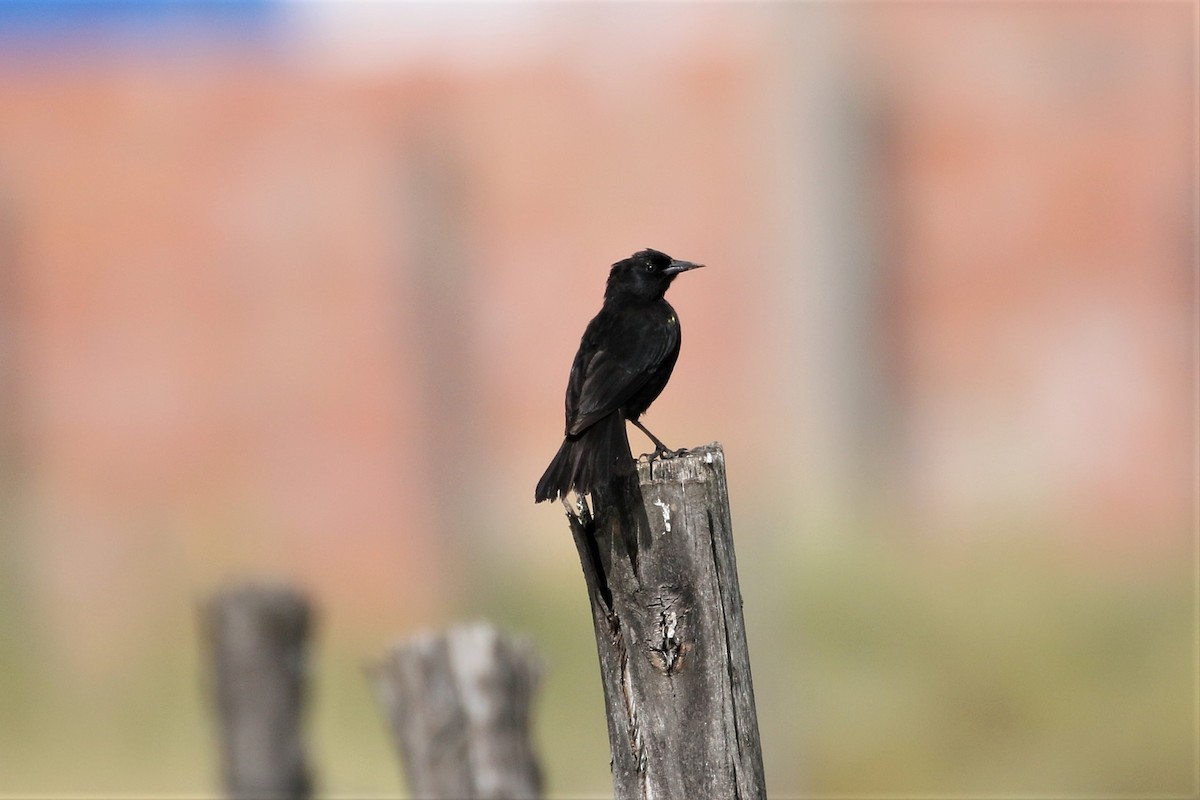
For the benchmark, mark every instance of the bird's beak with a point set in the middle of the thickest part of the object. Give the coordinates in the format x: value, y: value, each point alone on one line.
x: 677, y: 267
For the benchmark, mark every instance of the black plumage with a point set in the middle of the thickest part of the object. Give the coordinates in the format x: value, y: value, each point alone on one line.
x: 624, y: 360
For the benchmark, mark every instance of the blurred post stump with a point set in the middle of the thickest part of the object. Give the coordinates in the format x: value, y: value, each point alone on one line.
x: 458, y: 704
x: 257, y: 638
x: 657, y: 555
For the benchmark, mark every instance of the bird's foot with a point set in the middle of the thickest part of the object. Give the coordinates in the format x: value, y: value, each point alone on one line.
x: 661, y: 453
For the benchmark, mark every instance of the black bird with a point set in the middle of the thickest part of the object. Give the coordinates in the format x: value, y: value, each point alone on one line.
x: 624, y: 360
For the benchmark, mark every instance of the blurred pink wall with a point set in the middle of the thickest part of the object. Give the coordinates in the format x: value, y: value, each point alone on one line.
x: 311, y: 309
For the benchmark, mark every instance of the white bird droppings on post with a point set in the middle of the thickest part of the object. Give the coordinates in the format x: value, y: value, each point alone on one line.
x: 666, y: 512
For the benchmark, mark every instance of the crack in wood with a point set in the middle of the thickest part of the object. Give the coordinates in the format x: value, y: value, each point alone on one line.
x: 636, y: 742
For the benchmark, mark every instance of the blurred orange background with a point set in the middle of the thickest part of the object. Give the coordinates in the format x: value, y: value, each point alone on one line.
x: 291, y: 290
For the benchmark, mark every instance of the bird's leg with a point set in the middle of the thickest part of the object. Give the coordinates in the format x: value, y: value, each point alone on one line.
x: 660, y: 449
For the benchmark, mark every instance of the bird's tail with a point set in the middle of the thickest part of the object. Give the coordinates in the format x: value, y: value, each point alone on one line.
x: 589, y: 459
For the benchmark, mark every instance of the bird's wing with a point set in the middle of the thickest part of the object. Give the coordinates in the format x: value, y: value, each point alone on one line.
x: 616, y: 359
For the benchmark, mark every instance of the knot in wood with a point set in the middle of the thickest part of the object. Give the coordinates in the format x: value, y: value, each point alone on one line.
x: 667, y: 643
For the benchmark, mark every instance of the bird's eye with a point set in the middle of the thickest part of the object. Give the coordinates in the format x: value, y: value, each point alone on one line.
x: 649, y: 266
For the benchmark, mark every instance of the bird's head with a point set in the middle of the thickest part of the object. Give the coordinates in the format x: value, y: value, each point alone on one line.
x: 645, y: 275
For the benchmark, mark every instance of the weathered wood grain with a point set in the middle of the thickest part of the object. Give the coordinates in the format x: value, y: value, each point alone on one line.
x: 659, y: 563
x: 458, y: 704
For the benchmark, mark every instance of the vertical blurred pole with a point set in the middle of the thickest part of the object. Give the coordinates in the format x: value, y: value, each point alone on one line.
x: 14, y: 636
x: 257, y: 639
x: 830, y: 281
x: 440, y: 275
x: 10, y: 333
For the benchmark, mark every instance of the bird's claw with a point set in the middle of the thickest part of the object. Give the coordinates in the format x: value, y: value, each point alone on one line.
x: 661, y: 453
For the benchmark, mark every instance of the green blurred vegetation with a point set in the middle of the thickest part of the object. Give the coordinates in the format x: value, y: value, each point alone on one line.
x: 1003, y: 667
x: 882, y: 664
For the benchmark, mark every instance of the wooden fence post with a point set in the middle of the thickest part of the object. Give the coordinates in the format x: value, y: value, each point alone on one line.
x: 459, y: 708
x: 657, y: 555
x: 257, y: 638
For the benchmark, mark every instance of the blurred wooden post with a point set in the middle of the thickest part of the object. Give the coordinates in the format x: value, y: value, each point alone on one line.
x: 459, y: 708
x: 257, y: 637
x: 657, y: 555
